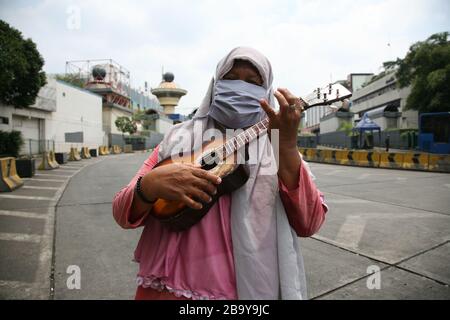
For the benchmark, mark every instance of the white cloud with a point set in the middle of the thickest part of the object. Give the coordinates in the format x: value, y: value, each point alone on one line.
x: 307, y: 41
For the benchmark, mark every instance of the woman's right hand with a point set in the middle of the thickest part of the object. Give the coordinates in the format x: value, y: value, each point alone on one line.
x: 180, y: 182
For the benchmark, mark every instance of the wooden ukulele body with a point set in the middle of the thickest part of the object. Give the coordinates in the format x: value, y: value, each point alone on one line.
x: 175, y: 215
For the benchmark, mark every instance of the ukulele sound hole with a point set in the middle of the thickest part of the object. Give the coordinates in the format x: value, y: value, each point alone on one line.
x: 209, y: 161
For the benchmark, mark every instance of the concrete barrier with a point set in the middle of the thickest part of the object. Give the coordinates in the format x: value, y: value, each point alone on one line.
x: 85, y: 153
x: 53, y: 161
x: 9, y: 178
x: 342, y: 157
x: 374, y: 159
x: 116, y: 149
x: 418, y: 161
x: 316, y: 155
x: 391, y: 160
x: 103, y: 150
x: 326, y: 156
x: 366, y: 159
x: 311, y: 154
x: 74, y: 155
x: 439, y: 162
x: 48, y: 162
x: 128, y: 148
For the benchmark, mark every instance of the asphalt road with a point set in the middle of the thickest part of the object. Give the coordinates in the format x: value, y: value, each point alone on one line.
x: 394, y: 221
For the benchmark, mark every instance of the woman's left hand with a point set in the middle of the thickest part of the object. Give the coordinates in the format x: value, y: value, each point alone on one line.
x: 287, y: 119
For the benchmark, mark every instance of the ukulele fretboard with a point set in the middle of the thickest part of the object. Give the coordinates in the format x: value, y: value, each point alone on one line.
x: 242, y: 139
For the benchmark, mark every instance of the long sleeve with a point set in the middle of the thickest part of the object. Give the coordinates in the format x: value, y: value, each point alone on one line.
x: 304, y: 205
x: 123, y: 200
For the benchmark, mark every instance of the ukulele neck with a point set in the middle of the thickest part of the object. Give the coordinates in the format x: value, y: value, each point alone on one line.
x: 321, y: 96
x: 243, y: 138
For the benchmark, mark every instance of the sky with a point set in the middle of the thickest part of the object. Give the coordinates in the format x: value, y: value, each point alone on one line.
x: 309, y: 42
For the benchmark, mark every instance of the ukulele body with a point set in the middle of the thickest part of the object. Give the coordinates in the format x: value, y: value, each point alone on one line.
x: 175, y: 215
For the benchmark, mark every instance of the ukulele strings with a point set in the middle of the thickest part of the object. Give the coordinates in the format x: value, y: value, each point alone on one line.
x: 237, y: 142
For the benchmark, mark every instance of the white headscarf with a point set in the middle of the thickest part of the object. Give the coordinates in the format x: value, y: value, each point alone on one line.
x: 267, y: 255
x: 240, y: 53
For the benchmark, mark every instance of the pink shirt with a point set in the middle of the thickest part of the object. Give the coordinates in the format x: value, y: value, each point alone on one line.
x: 198, y: 263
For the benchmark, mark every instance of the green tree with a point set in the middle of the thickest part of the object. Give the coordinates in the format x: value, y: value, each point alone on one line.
x: 426, y: 67
x: 124, y: 124
x: 10, y: 143
x: 21, y: 74
x: 347, y: 127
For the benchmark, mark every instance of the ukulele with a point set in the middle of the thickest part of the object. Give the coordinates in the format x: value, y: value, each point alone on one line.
x: 219, y: 158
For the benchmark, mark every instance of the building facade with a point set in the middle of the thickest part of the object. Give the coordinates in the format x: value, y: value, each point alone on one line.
x: 141, y: 100
x: 63, y: 116
x: 384, y: 102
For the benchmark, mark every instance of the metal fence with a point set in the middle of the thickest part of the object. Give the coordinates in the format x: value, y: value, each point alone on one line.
x: 33, y: 147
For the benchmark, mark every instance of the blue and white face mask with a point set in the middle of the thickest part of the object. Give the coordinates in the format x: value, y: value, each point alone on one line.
x: 236, y: 104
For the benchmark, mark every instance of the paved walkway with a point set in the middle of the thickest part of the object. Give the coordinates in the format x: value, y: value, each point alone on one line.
x: 27, y: 229
x: 392, y: 220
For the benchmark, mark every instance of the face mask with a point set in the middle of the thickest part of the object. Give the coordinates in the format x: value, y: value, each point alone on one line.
x: 236, y: 103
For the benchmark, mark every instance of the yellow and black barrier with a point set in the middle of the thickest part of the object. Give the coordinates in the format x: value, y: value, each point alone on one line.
x: 342, y: 157
x: 10, y: 180
x: 85, y: 153
x: 328, y: 156
x: 366, y: 158
x: 48, y: 161
x: 418, y: 161
x: 374, y: 159
x: 439, y: 162
x: 74, y: 155
x: 391, y: 160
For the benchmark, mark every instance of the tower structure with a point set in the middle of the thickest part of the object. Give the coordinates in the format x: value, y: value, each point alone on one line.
x: 168, y: 93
